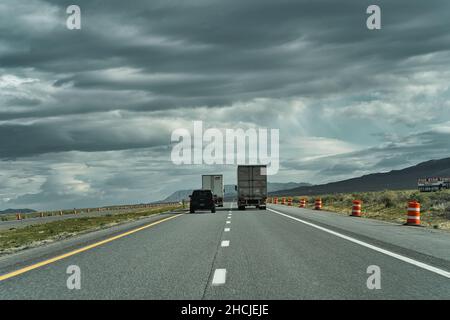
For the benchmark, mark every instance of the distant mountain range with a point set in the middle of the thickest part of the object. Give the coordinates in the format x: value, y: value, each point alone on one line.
x: 9, y: 211
x: 230, y: 193
x: 393, y: 180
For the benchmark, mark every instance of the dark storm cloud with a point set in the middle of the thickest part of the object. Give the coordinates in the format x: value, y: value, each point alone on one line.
x: 86, y: 116
x: 23, y: 102
x: 72, y: 134
x: 227, y: 50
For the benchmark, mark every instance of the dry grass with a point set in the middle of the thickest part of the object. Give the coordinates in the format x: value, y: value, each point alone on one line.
x: 34, y: 235
x: 391, y: 205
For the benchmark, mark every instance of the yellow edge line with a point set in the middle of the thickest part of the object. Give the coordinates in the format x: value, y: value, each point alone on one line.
x: 74, y: 252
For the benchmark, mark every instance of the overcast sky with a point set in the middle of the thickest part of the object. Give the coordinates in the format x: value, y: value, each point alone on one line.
x: 86, y: 115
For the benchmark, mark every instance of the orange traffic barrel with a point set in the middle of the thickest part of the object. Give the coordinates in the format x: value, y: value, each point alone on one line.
x: 283, y: 200
x: 302, y: 203
x: 413, y: 214
x: 289, y: 201
x: 356, y: 209
x: 318, y: 204
x: 275, y: 200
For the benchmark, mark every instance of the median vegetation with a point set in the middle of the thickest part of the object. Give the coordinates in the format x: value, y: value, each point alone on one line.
x: 391, y: 205
x: 13, y: 240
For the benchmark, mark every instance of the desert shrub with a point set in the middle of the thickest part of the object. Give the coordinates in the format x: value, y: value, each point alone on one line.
x: 447, y: 212
x: 420, y: 197
x: 365, y: 197
x: 439, y: 206
x: 442, y: 196
x: 388, y: 199
x: 332, y: 199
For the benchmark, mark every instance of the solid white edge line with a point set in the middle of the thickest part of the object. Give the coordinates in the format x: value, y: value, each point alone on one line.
x: 375, y: 248
x: 225, y: 243
x: 219, y: 277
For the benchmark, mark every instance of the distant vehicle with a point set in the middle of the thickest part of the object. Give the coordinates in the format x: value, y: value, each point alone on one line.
x: 214, y: 182
x: 202, y: 200
x: 252, y: 186
x: 433, y: 184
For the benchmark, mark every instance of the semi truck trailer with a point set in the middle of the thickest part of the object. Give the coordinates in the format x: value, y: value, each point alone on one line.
x: 252, y: 186
x: 214, y: 182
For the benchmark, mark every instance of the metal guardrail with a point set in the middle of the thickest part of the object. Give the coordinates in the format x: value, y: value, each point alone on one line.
x: 42, y: 214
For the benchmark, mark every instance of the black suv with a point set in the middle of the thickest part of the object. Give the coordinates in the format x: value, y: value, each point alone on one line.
x: 202, y: 200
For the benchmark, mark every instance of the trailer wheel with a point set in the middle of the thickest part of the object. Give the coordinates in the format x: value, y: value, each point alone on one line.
x: 241, y: 207
x: 262, y: 208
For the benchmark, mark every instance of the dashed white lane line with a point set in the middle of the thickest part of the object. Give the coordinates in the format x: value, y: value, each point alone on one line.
x: 225, y: 243
x: 367, y: 245
x: 227, y: 229
x: 220, y: 276
x: 228, y: 222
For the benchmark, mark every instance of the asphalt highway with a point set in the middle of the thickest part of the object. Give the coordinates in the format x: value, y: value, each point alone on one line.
x: 279, y: 253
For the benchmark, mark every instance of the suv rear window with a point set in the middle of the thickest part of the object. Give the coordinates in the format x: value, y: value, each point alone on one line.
x: 202, y: 193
